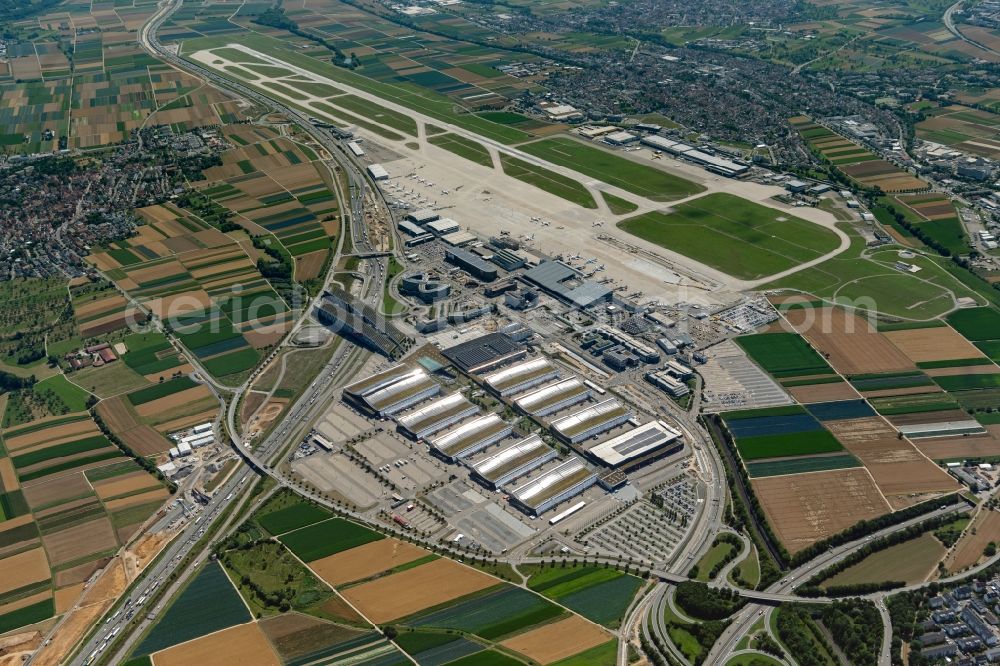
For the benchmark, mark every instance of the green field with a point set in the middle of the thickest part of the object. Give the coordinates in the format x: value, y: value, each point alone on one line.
x: 208, y: 604
x: 784, y: 354
x: 913, y: 404
x: 295, y: 516
x: 61, y: 450
x: 467, y: 148
x: 497, y: 613
x: 160, y: 390
x: 72, y: 395
x: 800, y: 465
x: 617, y: 205
x: 27, y: 615
x: 544, y: 179
x: 326, y: 538
x: 788, y: 444
x: 488, y: 658
x: 908, y: 562
x: 736, y: 236
x: 976, y: 323
x: 600, y: 595
x: 968, y: 382
x: 613, y: 169
x: 600, y: 655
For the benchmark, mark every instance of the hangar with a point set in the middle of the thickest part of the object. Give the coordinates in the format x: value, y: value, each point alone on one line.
x: 513, y: 461
x: 470, y: 437
x: 592, y: 420
x: 521, y: 376
x: 566, y: 480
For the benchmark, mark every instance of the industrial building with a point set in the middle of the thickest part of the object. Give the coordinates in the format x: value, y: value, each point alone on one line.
x: 360, y: 323
x: 521, y: 376
x: 507, y: 260
x: 459, y: 239
x: 470, y: 437
x: 422, y: 216
x: 621, y: 138
x: 378, y: 172
x: 670, y: 385
x: 639, y: 446
x: 513, y: 461
x: 355, y: 148
x: 591, y: 421
x: 713, y: 163
x: 365, y: 387
x: 443, y: 226
x: 553, y: 397
x: 471, y: 264
x: 411, y: 228
x: 640, y: 349
x: 485, y: 353
x: 566, y: 480
x: 435, y: 416
x: 402, y: 394
x: 566, y: 284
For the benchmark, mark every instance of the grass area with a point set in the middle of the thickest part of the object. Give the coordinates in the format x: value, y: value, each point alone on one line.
x: 72, y: 395
x: 800, y: 465
x: 788, y: 444
x: 273, y: 581
x: 909, y: 562
x: 109, y: 380
x: 600, y: 595
x: 748, y: 570
x: 968, y: 382
x: 28, y: 615
x: 784, y: 354
x: 499, y: 612
x: 160, y: 390
x: 467, y: 148
x: 326, y: 538
x: 913, y: 404
x: 734, y: 235
x: 631, y: 176
x: 295, y: 514
x: 544, y: 179
x: 717, y: 553
x: 976, y: 324
x: 618, y: 205
x: 600, y: 655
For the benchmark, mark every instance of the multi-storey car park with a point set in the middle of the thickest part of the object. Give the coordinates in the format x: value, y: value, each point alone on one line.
x: 638, y: 446
x: 553, y: 397
x: 513, y: 461
x: 435, y: 416
x: 521, y: 376
x: 592, y: 420
x: 402, y: 394
x: 470, y: 437
x: 568, y: 479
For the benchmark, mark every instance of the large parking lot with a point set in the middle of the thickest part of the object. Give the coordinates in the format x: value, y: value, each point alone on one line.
x: 477, y: 513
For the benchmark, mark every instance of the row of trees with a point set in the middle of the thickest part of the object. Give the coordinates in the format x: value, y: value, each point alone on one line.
x: 275, y: 17
x: 141, y: 461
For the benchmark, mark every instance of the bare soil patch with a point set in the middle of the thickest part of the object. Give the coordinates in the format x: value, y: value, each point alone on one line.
x: 243, y: 644
x: 823, y: 392
x: 933, y: 344
x: 848, y: 342
x: 968, y: 446
x: 8, y: 478
x: 80, y: 540
x: 413, y: 590
x: 50, y: 490
x: 160, y: 493
x: 558, y: 640
x: 127, y: 483
x: 805, y: 508
x: 167, y: 403
x: 365, y: 561
x: 24, y: 569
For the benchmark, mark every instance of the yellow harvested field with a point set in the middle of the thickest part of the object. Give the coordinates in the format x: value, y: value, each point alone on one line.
x: 187, y: 421
x: 65, y: 432
x: 983, y: 529
x: 172, y: 401
x: 78, y: 541
x: 558, y: 640
x: 244, y: 644
x: 51, y: 489
x: 127, y: 483
x: 933, y: 344
x: 407, y: 592
x: 8, y: 478
x: 181, y: 304
x: 157, y: 494
x: 102, y: 305
x: 67, y: 596
x: 23, y: 569
x: 366, y: 561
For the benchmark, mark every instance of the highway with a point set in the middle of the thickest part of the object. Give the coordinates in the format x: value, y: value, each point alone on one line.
x: 949, y: 23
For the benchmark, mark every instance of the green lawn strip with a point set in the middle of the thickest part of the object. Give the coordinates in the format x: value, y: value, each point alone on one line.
x: 783, y: 354
x: 617, y: 205
x: 544, y: 179
x: 467, y: 148
x: 954, y: 363
x: 968, y: 382
x: 788, y: 444
x: 60, y: 450
x: 326, y: 538
x: 613, y: 169
x: 160, y: 390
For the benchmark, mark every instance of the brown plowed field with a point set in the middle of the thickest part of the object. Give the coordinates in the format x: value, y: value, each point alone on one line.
x: 823, y: 392
x: 141, y: 438
x: 243, y: 644
x: 156, y: 494
x: 805, y: 508
x: 79, y: 573
x: 928, y: 417
x: 127, y: 483
x: 895, y: 464
x: 167, y: 403
x: 80, y: 540
x: 145, y: 441
x: 48, y: 490
x: 66, y: 432
x: 848, y: 342
x: 67, y: 596
x: 413, y: 590
x: 365, y: 561
x: 187, y: 421
x: 8, y: 478
x: 112, y: 322
x: 932, y: 344
x: 984, y: 528
x: 969, y: 446
x: 307, y: 266
x: 557, y: 640
x: 962, y: 370
x: 24, y: 569
x: 116, y: 414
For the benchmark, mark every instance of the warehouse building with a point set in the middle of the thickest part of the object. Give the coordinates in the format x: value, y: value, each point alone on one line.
x: 443, y: 226
x: 471, y: 264
x: 713, y: 163
x: 638, y: 447
x: 410, y: 228
x: 566, y: 480
x: 355, y: 148
x: 485, y: 353
x: 402, y: 394
x: 378, y: 172
x: 640, y: 349
x: 566, y: 284
x: 422, y: 216
x: 553, y: 397
x: 435, y: 416
x: 470, y: 437
x: 621, y: 138
x: 521, y: 376
x: 668, y: 384
x: 513, y: 462
x: 460, y: 239
x: 591, y: 421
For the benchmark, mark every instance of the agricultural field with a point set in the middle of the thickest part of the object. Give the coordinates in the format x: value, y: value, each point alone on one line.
x: 734, y: 235
x: 934, y: 214
x: 631, y: 176
x: 962, y: 128
x: 981, y: 326
x: 784, y: 355
x: 69, y: 500
x: 203, y: 284
x: 600, y: 595
x: 908, y: 562
x: 857, y: 163
x: 761, y: 436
